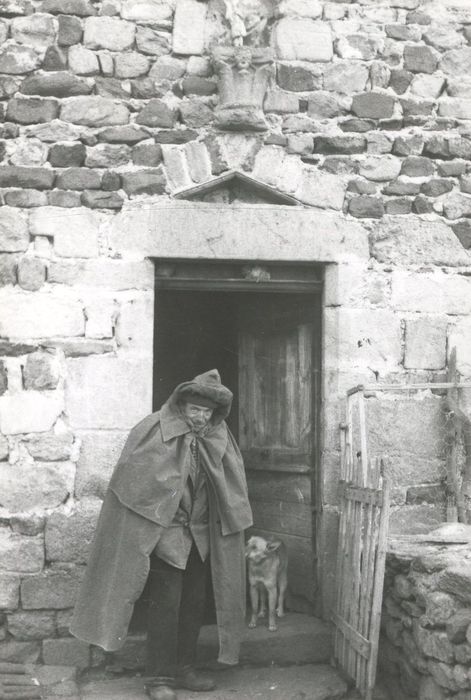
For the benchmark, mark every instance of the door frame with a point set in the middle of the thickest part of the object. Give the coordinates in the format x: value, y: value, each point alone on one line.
x: 180, y: 274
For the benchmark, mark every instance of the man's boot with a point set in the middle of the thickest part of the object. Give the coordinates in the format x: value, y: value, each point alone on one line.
x: 161, y: 688
x: 190, y: 679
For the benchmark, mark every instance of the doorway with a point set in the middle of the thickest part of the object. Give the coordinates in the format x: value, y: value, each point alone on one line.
x: 265, y: 341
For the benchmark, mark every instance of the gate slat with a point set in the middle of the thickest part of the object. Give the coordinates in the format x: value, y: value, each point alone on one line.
x: 363, y: 529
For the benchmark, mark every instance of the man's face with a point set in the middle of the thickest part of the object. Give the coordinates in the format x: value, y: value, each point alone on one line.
x: 199, y: 416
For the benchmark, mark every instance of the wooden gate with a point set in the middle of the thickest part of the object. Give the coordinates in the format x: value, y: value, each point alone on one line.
x: 363, y: 530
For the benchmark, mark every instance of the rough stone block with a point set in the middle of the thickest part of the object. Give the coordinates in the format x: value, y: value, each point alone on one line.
x: 188, y: 27
x: 436, y: 187
x: 99, y: 453
x: 83, y: 61
x: 38, y: 30
x: 281, y: 102
x: 148, y: 154
x: 20, y: 554
x: 9, y: 591
x: 55, y: 588
x: 108, y: 33
x: 30, y: 178
x: 457, y: 625
x: 439, y: 608
x: 106, y: 155
x: 176, y: 167
x: 130, y: 65
x: 13, y: 230
x: 75, y: 231
x: 89, y: 401
x: 32, y: 110
x: 62, y: 198
x: 345, y: 77
x: 50, y: 447
x: 20, y: 652
x: 374, y: 105
x: 101, y: 200
x: 94, y: 111
x: 104, y: 272
x: 152, y: 42
x: 457, y: 62
x: 167, y: 68
x: 420, y: 59
x: 31, y: 625
x: 299, y: 39
x: 455, y: 107
x: 463, y: 232
x: 157, y: 113
x: 63, y: 155
x: 122, y: 134
x: 456, y: 205
x: 68, y: 536
x: 147, y: 181
x: 17, y: 60
x: 78, y: 179
x: 81, y: 8
x: 25, y: 198
x: 27, y: 316
x: 31, y: 273
x: 41, y: 371
x: 298, y: 78
x: 366, y: 207
x: 425, y: 343
x: 55, y: 59
x: 66, y: 652
x: 195, y: 113
x: 339, y: 144
x: 358, y: 46
x: 380, y: 168
x: 70, y: 30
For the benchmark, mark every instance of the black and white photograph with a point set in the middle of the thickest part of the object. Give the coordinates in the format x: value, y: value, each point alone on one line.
x: 235, y: 349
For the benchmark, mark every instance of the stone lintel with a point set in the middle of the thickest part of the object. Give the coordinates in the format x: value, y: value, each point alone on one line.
x: 243, y: 232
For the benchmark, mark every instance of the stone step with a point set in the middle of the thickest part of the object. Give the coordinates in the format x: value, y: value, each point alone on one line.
x: 316, y: 682
x: 300, y: 639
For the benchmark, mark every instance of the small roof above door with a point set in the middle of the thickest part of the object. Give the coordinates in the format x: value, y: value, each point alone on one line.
x: 235, y: 186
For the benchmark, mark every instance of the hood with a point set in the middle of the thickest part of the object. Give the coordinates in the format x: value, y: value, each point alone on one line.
x: 209, y: 385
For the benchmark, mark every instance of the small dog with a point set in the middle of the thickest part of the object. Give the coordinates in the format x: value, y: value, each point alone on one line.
x: 267, y: 569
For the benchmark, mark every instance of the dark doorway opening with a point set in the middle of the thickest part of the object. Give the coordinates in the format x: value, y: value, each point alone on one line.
x: 261, y: 330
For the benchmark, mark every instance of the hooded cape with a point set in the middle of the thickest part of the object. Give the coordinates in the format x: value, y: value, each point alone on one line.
x: 141, y: 500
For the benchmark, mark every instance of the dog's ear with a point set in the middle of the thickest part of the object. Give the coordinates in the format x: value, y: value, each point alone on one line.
x: 273, y: 546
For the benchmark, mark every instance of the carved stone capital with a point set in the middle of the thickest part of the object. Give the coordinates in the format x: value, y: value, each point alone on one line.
x: 243, y: 75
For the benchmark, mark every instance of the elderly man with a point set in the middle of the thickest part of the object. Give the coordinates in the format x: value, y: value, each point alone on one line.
x: 176, y: 504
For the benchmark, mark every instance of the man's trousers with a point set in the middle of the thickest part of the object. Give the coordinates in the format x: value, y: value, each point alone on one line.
x: 177, y: 600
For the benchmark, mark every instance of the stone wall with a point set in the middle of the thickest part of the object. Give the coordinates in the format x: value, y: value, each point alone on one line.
x: 425, y: 649
x: 107, y: 110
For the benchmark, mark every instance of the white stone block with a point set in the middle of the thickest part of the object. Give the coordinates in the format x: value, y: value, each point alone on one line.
x: 355, y: 285
x: 99, y: 452
x: 104, y: 272
x: 30, y: 411
x: 75, y: 231
x: 99, y: 316
x: 345, y: 77
x: 297, y: 39
x: 197, y: 157
x: 38, y: 486
x: 431, y: 292
x: 460, y: 338
x: 365, y: 338
x: 108, y: 392
x: 20, y: 554
x: 108, y: 33
x: 459, y: 108
x: 37, y: 30
x: 426, y: 343
x: 380, y: 168
x: 322, y: 189
x: 427, y: 86
x: 135, y: 325
x: 147, y: 10
x: 188, y: 27
x: 24, y: 315
x: 176, y: 167
x: 401, y: 241
x: 300, y: 8
x: 83, y: 61
x: 29, y: 152
x: 13, y: 230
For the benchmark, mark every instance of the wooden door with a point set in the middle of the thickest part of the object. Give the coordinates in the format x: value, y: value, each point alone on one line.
x: 277, y: 342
